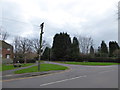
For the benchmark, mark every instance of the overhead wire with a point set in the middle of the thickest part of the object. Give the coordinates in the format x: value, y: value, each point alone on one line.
x: 8, y: 19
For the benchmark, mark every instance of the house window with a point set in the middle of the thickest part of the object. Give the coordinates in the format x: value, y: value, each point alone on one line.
x: 7, y: 56
x: 8, y: 49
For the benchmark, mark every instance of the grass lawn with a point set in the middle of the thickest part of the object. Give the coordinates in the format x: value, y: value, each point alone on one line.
x: 44, y: 67
x: 10, y: 67
x: 90, y: 63
x: 0, y: 67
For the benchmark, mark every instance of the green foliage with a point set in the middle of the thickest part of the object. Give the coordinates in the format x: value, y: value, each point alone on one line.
x: 61, y: 46
x: 104, y: 49
x: 46, y: 54
x: 116, y: 53
x: 97, y: 54
x: 75, y: 52
x: 91, y: 50
x: 113, y: 46
x: 76, y: 45
x: 63, y: 49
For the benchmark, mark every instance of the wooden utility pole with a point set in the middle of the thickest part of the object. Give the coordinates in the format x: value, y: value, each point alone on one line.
x: 41, y: 27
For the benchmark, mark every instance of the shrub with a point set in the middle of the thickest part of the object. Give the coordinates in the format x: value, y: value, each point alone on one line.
x: 22, y: 60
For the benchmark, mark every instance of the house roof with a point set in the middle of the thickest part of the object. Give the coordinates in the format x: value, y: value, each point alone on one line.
x: 6, y: 45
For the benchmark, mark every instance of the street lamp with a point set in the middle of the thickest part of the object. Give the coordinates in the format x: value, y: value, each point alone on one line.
x: 41, y: 27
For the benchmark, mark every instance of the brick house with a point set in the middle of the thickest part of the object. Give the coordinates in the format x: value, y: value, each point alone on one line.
x: 7, y: 52
x: 0, y: 52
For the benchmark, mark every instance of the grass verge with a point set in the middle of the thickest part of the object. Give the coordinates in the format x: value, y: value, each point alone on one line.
x: 0, y: 67
x: 10, y: 67
x: 44, y: 67
x: 90, y: 63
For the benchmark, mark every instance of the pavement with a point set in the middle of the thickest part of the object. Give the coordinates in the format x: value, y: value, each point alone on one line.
x: 78, y: 76
x: 9, y: 72
x: 32, y: 74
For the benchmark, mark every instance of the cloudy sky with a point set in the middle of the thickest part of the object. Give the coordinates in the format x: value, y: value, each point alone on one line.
x: 94, y: 18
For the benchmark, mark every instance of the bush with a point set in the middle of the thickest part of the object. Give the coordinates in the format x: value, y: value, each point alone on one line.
x: 22, y: 60
x: 99, y: 59
x: 88, y: 58
x: 17, y: 65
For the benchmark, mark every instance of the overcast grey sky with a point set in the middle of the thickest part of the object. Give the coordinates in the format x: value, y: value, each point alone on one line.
x: 95, y: 18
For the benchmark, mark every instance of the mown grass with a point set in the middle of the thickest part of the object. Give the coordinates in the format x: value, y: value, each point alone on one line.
x: 43, y: 67
x: 0, y: 67
x: 90, y: 63
x: 10, y: 67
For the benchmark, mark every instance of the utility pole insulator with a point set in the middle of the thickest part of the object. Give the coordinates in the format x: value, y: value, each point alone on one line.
x: 42, y: 25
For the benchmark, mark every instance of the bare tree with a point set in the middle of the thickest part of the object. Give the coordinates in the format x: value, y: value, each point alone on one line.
x: 36, y: 45
x: 25, y: 45
x: 16, y: 45
x: 3, y: 35
x: 85, y: 43
x: 22, y: 46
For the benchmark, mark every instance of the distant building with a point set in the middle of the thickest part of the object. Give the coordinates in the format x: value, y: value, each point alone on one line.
x: 7, y: 52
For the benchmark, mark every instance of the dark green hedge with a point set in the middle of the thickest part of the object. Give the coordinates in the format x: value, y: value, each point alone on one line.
x: 22, y: 60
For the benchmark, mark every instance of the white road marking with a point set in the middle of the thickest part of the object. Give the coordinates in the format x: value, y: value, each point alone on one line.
x: 62, y: 80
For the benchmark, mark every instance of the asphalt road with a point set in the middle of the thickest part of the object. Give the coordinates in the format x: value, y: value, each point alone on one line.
x: 77, y: 77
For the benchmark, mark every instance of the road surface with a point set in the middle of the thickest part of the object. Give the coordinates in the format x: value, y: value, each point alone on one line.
x: 78, y: 76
